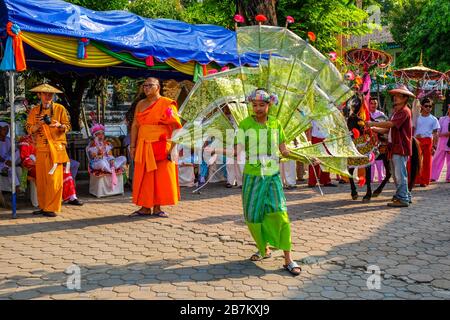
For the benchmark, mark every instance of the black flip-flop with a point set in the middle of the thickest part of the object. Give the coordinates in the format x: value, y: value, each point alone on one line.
x: 161, y: 214
x: 138, y: 213
x: 259, y: 257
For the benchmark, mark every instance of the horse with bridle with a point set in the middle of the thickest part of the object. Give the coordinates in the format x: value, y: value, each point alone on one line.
x: 365, y: 142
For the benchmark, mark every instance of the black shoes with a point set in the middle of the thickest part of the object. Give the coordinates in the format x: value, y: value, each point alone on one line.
x: 44, y: 213
x: 398, y: 204
x: 330, y: 185
x: 49, y: 214
x: 38, y: 212
x: 75, y: 202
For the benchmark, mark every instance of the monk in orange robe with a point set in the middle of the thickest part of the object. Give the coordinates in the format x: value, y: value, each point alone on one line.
x: 48, y: 122
x: 155, y: 180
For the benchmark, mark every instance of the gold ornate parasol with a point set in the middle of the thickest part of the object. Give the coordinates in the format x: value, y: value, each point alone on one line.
x: 368, y: 57
x: 419, y: 72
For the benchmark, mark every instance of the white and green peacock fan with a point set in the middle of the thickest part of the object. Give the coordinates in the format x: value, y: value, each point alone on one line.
x: 308, y: 85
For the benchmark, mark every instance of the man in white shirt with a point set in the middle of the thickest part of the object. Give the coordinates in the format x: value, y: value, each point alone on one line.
x: 426, y: 132
x: 318, y: 135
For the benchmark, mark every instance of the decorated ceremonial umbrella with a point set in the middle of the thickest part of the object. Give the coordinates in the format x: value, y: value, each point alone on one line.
x: 366, y: 59
x: 421, y: 78
x: 419, y: 73
x: 307, y: 83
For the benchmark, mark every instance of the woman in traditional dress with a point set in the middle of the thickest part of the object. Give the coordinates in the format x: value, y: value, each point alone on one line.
x: 263, y: 200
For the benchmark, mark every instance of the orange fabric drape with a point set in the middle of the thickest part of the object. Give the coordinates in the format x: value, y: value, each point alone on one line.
x: 17, y: 48
x: 144, y: 152
x: 155, y: 182
x: 57, y: 150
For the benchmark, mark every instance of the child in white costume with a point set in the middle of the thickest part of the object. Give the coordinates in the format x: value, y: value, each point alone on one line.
x: 100, y: 152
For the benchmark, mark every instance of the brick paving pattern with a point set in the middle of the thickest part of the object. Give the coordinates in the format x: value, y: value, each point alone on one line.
x: 202, y: 250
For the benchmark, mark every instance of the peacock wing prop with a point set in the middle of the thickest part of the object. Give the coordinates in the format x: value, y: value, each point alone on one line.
x: 308, y: 85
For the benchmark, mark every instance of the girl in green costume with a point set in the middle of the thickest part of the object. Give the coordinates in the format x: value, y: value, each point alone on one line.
x: 263, y: 198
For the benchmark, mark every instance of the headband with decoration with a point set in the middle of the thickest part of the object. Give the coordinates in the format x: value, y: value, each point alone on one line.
x: 97, y: 128
x: 263, y: 95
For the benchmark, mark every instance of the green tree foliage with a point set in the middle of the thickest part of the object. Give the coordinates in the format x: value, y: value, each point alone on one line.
x: 210, y: 12
x: 422, y: 25
x: 169, y: 9
x: 402, y: 17
x: 326, y: 18
x: 101, y: 5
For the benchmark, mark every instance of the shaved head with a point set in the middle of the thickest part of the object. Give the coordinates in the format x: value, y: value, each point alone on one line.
x: 152, y: 80
x: 151, y: 87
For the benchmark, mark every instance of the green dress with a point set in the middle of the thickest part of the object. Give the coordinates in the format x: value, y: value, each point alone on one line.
x: 263, y: 199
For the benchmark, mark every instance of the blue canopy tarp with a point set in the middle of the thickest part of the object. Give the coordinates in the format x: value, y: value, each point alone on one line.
x: 123, y: 31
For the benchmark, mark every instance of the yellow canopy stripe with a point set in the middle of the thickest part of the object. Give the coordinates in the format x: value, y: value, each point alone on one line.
x: 187, y: 68
x: 64, y: 49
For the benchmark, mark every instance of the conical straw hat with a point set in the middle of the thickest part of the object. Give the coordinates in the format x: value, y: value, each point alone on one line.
x: 45, y: 88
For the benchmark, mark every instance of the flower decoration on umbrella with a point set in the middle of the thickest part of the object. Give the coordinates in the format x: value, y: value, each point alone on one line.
x: 260, y: 18
x: 289, y: 20
x: 311, y: 36
x: 349, y: 75
x: 333, y: 56
x: 238, y: 18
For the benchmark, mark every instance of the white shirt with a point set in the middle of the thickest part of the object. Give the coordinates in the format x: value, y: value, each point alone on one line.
x: 317, y: 132
x: 426, y: 125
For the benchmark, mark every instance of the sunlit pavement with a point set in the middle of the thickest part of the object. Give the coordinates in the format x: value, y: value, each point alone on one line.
x: 201, y: 251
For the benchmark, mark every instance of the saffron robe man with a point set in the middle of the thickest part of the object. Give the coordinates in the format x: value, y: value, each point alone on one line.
x: 51, y: 155
x: 155, y: 180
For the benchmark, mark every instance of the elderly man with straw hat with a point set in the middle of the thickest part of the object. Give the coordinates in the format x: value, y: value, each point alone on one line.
x: 399, y: 130
x: 48, y: 122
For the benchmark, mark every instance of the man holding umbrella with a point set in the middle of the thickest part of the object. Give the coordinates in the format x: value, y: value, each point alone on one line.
x: 48, y: 122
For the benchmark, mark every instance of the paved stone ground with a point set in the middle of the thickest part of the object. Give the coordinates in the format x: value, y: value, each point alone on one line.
x: 202, y: 250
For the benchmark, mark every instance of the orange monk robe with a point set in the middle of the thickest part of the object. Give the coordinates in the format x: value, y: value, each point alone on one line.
x: 155, y: 182
x: 50, y: 148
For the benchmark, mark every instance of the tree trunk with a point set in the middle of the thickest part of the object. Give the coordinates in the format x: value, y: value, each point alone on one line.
x: 73, y: 88
x: 251, y: 8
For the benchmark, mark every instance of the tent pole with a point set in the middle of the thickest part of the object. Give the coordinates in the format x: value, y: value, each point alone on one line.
x: 13, y: 143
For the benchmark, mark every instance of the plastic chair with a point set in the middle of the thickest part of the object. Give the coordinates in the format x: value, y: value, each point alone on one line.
x: 100, y: 183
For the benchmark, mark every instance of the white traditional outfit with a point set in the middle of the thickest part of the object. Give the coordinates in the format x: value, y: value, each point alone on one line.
x: 100, y: 153
x: 5, y: 155
x: 186, y: 175
x: 288, y: 171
